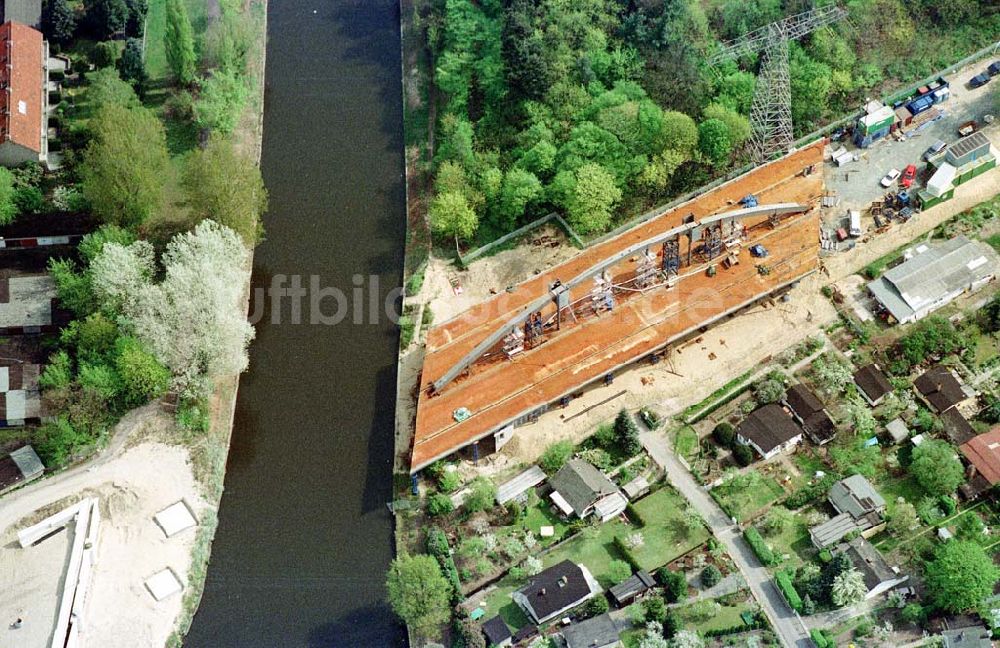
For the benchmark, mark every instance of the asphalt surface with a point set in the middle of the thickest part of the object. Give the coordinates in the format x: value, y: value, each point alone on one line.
x: 857, y: 183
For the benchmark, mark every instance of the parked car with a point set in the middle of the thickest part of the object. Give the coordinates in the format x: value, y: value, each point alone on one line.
x: 889, y: 178
x: 979, y: 80
x: 993, y: 69
x: 758, y: 251
x: 909, y: 175
x: 934, y: 149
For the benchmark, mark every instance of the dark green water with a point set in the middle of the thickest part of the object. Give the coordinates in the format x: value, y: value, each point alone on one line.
x: 304, y: 536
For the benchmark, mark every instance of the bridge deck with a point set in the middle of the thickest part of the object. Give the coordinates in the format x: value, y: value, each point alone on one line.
x: 499, y: 391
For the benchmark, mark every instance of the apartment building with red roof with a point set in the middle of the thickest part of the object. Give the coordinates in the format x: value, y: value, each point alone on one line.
x: 23, y: 95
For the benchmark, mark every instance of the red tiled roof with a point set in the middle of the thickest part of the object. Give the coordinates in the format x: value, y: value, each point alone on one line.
x: 983, y: 452
x: 22, y: 97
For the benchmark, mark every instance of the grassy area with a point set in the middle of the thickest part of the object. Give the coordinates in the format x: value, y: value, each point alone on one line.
x: 500, y: 602
x: 539, y: 515
x: 716, y: 399
x: 666, y: 537
x: 725, y: 616
x: 744, y: 495
x: 686, y: 442
x: 794, y: 542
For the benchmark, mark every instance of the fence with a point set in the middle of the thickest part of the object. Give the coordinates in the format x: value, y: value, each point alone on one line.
x: 466, y: 259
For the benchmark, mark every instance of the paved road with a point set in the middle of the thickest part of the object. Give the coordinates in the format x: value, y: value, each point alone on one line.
x: 787, y: 626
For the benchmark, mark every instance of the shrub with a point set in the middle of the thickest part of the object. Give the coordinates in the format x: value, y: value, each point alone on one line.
x: 809, y: 494
x: 724, y: 434
x: 710, y: 576
x: 759, y: 547
x: 482, y: 494
x: 655, y: 608
x: 820, y: 639
x: 555, y: 456
x: 193, y: 415
x: 449, y: 481
x: 58, y: 440
x: 675, y: 586
x: 619, y: 571
x: 595, y: 606
x: 788, y: 591
x: 604, y: 437
x: 439, y: 504
x: 29, y: 200
x: 407, y: 327
x: 743, y: 454
x: 415, y: 283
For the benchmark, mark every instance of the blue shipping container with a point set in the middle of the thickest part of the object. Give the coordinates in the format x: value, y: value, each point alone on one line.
x: 918, y: 106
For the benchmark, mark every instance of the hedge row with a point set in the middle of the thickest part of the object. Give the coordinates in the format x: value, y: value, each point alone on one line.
x: 788, y: 590
x: 437, y: 546
x: 820, y: 639
x: 759, y: 547
x: 626, y: 554
x: 757, y: 624
x: 634, y: 516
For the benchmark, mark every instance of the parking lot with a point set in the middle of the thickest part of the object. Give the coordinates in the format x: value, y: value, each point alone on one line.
x: 857, y: 183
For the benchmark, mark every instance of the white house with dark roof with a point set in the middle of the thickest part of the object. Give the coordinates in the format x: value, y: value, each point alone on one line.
x: 556, y: 590
x: 581, y: 489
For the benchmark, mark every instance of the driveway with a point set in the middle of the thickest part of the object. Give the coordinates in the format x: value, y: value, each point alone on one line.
x: 786, y: 624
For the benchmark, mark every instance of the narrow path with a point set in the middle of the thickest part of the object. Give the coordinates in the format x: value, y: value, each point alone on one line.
x: 790, y: 630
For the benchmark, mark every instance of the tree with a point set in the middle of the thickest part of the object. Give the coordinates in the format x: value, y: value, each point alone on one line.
x: 73, y: 287
x: 619, y: 571
x: 714, y: 141
x: 653, y: 636
x: 710, y: 576
x: 469, y: 632
x: 654, y: 608
x: 135, y: 23
x: 132, y: 65
x: 451, y: 216
x: 675, y: 587
x: 777, y: 520
x: 225, y: 186
x: 687, y: 639
x: 520, y: 188
x: 848, y: 588
x: 671, y: 624
x: 724, y: 434
x: 106, y: 18
x: 839, y: 564
x: 555, y: 456
x: 58, y: 373
x: 106, y: 56
x: 143, y: 377
x: 8, y: 206
x: 769, y: 390
x: 194, y: 320
x: 125, y: 164
x: 58, y: 21
x: 742, y: 454
x: 439, y: 504
x: 595, y: 606
x: 178, y: 41
x: 627, y: 434
x: 903, y: 520
x: 221, y: 101
x: 989, y: 315
x: 418, y: 592
x: 960, y: 576
x: 481, y: 495
x: 936, y: 467
x: 106, y: 87
x: 914, y: 613
x: 119, y: 272
x: 592, y: 199
x: 738, y: 125
x: 970, y: 527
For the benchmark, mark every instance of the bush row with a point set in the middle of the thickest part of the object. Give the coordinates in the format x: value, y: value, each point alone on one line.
x: 626, y: 554
x: 437, y: 546
x: 634, y: 516
x: 820, y: 638
x: 788, y: 590
x: 809, y: 494
x: 759, y: 547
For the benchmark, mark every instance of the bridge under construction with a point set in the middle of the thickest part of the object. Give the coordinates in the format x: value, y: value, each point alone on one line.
x: 509, y: 359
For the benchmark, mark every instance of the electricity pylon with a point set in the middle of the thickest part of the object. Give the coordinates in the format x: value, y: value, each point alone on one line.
x: 771, y: 111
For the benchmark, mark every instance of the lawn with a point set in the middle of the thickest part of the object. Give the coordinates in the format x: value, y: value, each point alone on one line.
x: 500, y: 602
x: 794, y: 542
x: 744, y: 495
x: 686, y: 443
x: 727, y: 616
x: 538, y: 515
x: 665, y: 538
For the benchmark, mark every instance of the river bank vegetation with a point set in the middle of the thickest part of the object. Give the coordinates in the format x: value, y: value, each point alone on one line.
x: 601, y: 109
x: 156, y: 293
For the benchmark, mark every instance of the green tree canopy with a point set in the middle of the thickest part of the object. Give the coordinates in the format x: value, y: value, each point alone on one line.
x: 226, y: 186
x: 593, y: 198
x: 936, y: 467
x: 132, y: 65
x: 58, y: 20
x: 451, y: 216
x: 418, y: 592
x: 124, y: 165
x: 106, y: 87
x: 178, y: 41
x: 960, y: 576
x: 220, y: 102
x: 714, y: 141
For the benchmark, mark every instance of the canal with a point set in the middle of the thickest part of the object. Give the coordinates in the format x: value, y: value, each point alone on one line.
x: 304, y: 536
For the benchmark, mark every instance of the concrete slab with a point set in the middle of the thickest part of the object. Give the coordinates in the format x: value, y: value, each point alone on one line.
x: 163, y: 584
x: 175, y: 518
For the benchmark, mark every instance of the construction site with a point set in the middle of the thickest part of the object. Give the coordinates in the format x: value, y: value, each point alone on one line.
x: 538, y: 345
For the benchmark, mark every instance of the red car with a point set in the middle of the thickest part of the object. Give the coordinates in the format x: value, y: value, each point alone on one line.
x: 909, y: 175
